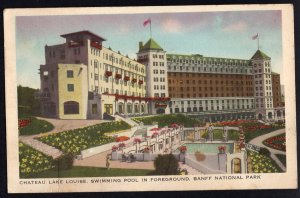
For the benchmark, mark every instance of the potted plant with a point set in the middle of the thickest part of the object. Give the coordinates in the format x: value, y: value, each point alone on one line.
x: 121, y: 146
x: 222, y: 149
x: 114, y: 153
x: 182, y: 150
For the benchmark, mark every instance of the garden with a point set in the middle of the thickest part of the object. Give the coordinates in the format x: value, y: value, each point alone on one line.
x: 277, y: 142
x: 166, y: 120
x: 33, y: 161
x: 74, y: 141
x: 218, y: 134
x: 32, y: 125
x: 259, y: 163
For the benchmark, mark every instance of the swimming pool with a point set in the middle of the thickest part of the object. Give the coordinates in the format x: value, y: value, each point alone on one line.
x: 208, y: 147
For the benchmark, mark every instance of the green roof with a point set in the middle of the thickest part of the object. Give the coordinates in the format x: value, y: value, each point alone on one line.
x: 150, y: 45
x: 196, y: 56
x: 260, y: 55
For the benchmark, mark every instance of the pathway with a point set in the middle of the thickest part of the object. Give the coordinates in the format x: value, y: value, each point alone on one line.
x: 258, y: 141
x: 59, y: 126
x: 99, y: 160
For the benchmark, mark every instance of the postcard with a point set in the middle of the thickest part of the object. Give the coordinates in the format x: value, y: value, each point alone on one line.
x: 150, y: 98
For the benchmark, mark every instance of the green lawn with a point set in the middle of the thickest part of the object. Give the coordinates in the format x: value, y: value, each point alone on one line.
x: 78, y: 171
x: 36, y: 126
x: 166, y: 120
x: 282, y: 158
x: 249, y: 135
x: 76, y: 140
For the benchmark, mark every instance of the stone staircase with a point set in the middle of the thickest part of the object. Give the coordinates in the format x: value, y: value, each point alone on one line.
x: 40, y: 146
x: 127, y: 120
x: 191, y: 170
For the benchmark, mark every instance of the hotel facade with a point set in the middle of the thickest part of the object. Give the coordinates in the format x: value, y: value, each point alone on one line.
x: 84, y: 80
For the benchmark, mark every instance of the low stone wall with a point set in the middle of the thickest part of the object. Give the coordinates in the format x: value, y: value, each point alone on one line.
x: 143, y: 156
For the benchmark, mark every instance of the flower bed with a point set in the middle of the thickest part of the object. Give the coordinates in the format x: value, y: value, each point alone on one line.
x: 166, y: 120
x: 74, y: 141
x: 262, y: 164
x: 33, y: 161
x: 277, y: 142
x: 32, y: 126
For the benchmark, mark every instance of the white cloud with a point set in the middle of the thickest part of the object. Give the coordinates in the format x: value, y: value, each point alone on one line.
x: 239, y: 26
x: 171, y: 25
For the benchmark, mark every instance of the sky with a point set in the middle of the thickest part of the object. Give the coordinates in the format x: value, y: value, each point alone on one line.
x: 212, y: 34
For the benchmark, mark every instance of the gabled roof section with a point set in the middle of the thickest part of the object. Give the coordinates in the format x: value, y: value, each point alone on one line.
x: 150, y: 45
x: 260, y: 55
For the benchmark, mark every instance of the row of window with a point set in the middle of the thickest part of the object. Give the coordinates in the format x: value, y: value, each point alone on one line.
x: 200, y: 95
x: 155, y: 71
x: 162, y: 87
x: 156, y: 79
x: 210, y: 75
x: 210, y: 62
x: 158, y: 64
x: 211, y: 108
x: 116, y: 91
x: 210, y: 89
x: 108, y: 67
x: 212, y: 101
x: 210, y: 82
x: 210, y: 69
x: 158, y: 56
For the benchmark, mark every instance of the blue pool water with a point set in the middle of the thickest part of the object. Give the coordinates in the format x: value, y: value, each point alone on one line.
x: 208, y: 147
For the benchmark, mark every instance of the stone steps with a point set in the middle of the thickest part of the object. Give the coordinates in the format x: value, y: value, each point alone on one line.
x: 191, y: 170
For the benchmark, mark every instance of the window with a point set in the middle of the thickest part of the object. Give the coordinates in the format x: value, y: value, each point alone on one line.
x: 70, y: 74
x: 71, y: 107
x: 70, y: 87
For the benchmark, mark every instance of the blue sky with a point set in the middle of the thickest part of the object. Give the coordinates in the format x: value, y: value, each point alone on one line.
x: 214, y: 34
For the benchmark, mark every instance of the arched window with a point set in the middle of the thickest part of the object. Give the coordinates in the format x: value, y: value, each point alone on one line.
x: 71, y: 107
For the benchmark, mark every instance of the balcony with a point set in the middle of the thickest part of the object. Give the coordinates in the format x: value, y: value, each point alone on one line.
x: 108, y: 73
x: 126, y: 78
x: 134, y: 80
x: 96, y: 45
x: 39, y: 95
x: 141, y: 82
x: 118, y: 76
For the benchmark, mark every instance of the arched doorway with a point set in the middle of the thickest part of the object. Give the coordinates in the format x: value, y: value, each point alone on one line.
x: 160, y: 111
x: 236, y: 165
x: 260, y: 116
x: 71, y: 107
x: 270, y: 115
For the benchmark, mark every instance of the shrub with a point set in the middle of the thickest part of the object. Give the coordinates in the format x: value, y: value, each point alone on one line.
x: 65, y: 162
x: 166, y: 165
x: 264, y: 151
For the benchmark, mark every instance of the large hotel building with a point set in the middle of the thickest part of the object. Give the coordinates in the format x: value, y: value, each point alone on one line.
x: 82, y: 79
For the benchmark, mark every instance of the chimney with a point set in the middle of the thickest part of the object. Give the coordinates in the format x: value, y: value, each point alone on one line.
x: 140, y: 45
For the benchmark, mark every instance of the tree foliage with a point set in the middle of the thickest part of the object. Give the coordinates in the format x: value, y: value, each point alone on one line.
x: 166, y: 165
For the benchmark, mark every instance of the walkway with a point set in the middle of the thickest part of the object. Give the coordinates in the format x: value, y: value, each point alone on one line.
x: 59, y: 126
x: 258, y: 141
x: 99, y: 160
